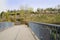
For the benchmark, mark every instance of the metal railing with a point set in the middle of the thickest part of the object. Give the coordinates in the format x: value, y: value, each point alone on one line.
x: 5, y: 25
x: 45, y: 31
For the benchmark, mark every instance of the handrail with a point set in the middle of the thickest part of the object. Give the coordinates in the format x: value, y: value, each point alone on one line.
x: 45, y: 31
x: 46, y: 24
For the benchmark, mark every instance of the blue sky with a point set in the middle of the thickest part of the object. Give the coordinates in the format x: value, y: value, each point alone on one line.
x: 16, y: 4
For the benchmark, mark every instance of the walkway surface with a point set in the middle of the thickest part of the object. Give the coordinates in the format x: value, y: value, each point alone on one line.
x: 20, y: 32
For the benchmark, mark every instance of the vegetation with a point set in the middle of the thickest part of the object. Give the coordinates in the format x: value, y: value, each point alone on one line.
x: 48, y: 15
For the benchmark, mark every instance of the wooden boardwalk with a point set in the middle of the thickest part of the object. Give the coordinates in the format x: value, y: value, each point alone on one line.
x: 20, y: 32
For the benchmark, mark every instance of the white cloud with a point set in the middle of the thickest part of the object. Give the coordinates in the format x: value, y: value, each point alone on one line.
x: 2, y: 5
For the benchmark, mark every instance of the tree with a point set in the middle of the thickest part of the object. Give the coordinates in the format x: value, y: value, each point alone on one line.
x: 50, y: 9
x: 2, y: 13
x: 30, y: 9
x: 7, y: 16
x: 39, y: 10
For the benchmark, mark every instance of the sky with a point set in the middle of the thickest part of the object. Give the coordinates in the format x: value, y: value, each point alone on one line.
x: 16, y: 4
